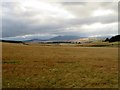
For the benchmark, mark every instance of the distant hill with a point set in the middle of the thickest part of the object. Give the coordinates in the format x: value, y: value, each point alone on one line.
x: 64, y: 38
x: 113, y: 38
x: 68, y: 39
x: 34, y: 40
x: 57, y: 38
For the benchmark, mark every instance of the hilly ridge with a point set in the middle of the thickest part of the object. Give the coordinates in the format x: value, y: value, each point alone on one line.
x: 65, y: 38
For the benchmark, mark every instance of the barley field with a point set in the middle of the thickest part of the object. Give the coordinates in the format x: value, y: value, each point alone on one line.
x: 59, y: 66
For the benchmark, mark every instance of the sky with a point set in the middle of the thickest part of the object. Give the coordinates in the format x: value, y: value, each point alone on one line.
x: 27, y: 19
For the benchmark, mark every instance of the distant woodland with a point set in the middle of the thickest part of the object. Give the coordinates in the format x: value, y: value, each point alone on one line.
x: 113, y: 39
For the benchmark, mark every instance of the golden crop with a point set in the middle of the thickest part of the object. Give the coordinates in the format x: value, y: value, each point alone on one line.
x: 64, y: 66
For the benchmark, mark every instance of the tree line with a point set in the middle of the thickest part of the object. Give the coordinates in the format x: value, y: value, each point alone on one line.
x: 113, y: 39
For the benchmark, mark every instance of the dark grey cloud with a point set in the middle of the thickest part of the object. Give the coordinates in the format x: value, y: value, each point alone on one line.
x: 13, y: 28
x: 73, y: 3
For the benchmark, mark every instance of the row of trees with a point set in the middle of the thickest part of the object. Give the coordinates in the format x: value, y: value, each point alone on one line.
x: 113, y: 39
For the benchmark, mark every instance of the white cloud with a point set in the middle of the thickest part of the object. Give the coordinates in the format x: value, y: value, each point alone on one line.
x: 100, y: 29
x: 46, y: 11
x: 101, y: 12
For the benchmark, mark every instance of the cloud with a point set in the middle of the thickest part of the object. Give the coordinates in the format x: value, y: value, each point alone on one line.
x: 46, y: 19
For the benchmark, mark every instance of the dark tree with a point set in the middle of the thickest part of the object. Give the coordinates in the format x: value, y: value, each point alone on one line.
x: 115, y: 38
x: 107, y: 39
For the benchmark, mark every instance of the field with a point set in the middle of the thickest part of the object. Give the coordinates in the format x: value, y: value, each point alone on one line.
x: 60, y: 66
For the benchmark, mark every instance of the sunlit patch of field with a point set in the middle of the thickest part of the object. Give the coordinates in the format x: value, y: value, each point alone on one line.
x: 59, y: 66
